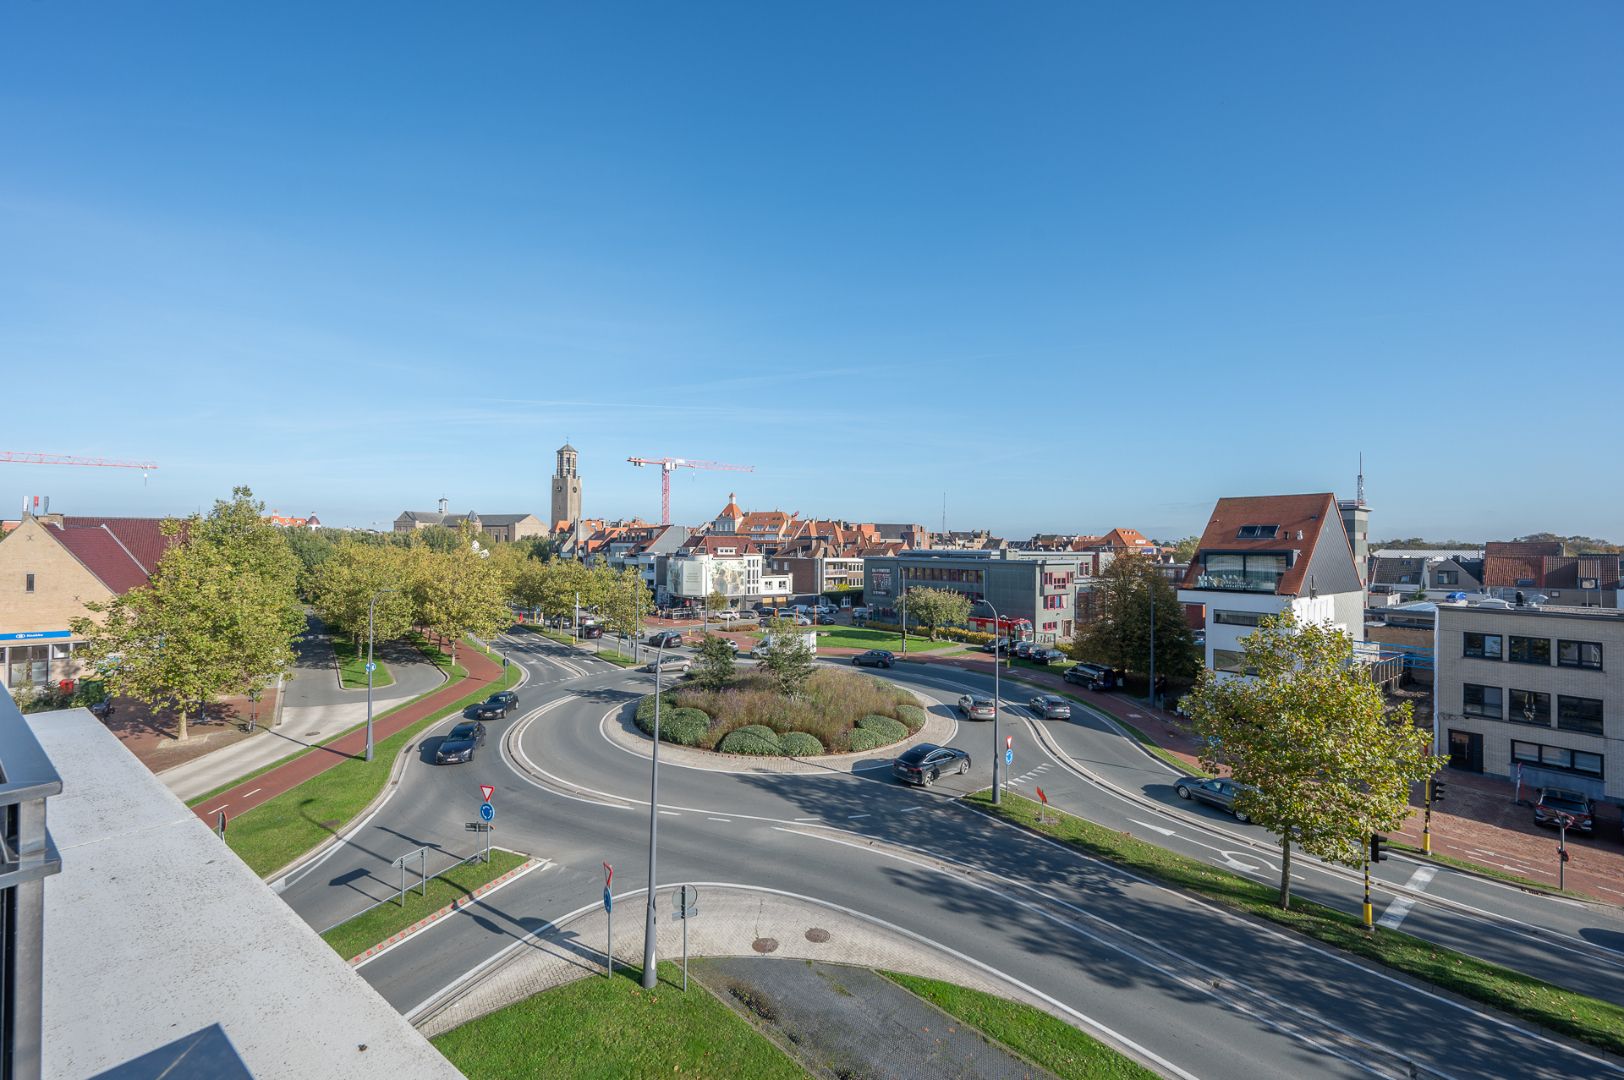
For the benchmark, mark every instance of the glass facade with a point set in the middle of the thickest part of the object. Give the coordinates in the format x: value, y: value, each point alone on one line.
x: 1249, y: 572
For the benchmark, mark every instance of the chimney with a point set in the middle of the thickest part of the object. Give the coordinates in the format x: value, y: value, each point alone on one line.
x: 445, y: 504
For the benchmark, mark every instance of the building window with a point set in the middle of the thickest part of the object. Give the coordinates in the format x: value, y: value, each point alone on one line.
x: 1578, y: 714
x: 28, y: 583
x: 1481, y: 701
x: 1449, y: 577
x: 1580, y: 654
x: 1243, y: 572
x: 1530, y: 650
x: 1257, y: 532
x: 1482, y: 646
x: 1231, y: 660
x: 1557, y: 757
x: 1530, y: 707
x: 1237, y: 618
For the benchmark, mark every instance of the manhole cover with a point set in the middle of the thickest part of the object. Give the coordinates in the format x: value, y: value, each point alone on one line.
x: 817, y: 934
x: 765, y: 944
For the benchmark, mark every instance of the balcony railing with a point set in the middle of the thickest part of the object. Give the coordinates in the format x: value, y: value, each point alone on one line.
x: 27, y: 858
x: 1262, y: 581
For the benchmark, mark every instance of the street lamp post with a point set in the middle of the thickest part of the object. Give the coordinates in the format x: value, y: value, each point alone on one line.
x: 1152, y: 586
x: 997, y: 739
x: 649, y: 973
x: 372, y: 606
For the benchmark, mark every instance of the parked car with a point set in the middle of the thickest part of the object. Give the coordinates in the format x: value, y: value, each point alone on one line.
x: 996, y: 645
x: 976, y: 707
x: 1219, y: 793
x: 1045, y: 656
x: 671, y: 664
x: 591, y: 630
x: 664, y: 639
x: 102, y: 709
x: 1576, y: 805
x: 860, y: 612
x: 826, y: 618
x: 494, y: 708
x: 798, y: 619
x: 1050, y: 707
x: 874, y: 658
x: 925, y: 763
x: 1093, y: 676
x: 460, y: 743
x: 725, y: 616
x: 1023, y: 649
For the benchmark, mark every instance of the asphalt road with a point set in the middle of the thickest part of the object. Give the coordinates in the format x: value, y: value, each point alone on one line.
x: 1196, y: 990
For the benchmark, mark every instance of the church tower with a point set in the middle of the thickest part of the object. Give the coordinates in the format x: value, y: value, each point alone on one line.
x: 566, y: 487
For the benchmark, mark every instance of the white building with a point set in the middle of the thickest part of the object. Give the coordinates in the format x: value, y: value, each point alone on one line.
x: 1263, y: 555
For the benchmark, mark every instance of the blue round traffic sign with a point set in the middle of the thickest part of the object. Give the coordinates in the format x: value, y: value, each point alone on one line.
x: 1009, y: 757
x: 487, y: 812
x: 371, y: 666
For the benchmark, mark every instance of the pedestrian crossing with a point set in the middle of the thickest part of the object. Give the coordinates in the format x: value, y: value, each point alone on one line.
x: 1031, y: 775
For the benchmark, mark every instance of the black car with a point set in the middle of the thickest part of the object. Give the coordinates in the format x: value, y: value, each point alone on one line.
x: 1023, y: 649
x: 1219, y: 793
x: 874, y: 658
x: 493, y: 709
x: 1093, y: 676
x: 459, y: 745
x: 826, y: 618
x: 1577, y: 807
x: 664, y: 639
x: 1045, y: 656
x: 506, y: 697
x: 926, y: 763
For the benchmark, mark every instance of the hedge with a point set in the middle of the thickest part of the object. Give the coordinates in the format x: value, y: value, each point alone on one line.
x: 751, y: 739
x: 912, y: 715
x: 800, y: 744
x: 685, y: 727
x: 645, y: 709
x: 860, y: 739
x: 946, y: 633
x: 887, y: 728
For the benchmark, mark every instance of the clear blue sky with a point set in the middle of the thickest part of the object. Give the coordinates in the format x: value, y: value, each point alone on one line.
x: 1073, y: 265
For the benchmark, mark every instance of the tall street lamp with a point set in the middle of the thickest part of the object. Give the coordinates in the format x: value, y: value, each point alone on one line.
x: 997, y: 739
x: 372, y: 606
x: 649, y: 973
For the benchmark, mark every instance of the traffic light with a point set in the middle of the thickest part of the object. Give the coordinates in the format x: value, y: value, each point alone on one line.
x: 1376, y: 852
x: 1437, y: 790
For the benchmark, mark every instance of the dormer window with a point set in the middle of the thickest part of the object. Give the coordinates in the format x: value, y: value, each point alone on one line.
x: 1257, y: 532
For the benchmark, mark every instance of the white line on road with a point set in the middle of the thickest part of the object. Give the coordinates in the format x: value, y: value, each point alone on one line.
x: 250, y: 794
x: 670, y: 813
x: 911, y: 809
x: 1152, y: 828
x: 1401, y: 907
x: 723, y: 820
x: 854, y: 817
x: 217, y: 809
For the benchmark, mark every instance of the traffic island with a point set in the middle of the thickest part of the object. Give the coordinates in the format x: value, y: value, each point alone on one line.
x: 1599, y: 1023
x: 424, y: 903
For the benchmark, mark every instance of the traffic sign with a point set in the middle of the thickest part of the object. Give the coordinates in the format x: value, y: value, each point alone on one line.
x: 485, y: 792
x: 687, y: 902
x: 1009, y: 742
x: 608, y: 901
x: 487, y: 812
x: 1009, y: 757
x: 1042, y: 798
x: 371, y: 667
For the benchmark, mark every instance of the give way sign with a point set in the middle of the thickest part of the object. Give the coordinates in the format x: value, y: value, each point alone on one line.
x: 485, y: 792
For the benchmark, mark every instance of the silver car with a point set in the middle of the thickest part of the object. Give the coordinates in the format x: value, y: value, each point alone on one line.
x: 977, y: 707
x: 1050, y: 707
x: 1219, y: 793
x: 671, y: 665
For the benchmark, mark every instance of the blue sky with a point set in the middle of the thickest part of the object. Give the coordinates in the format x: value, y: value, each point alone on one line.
x: 1072, y: 266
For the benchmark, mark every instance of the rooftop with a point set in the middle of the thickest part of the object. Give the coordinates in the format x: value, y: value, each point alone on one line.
x: 1567, y: 611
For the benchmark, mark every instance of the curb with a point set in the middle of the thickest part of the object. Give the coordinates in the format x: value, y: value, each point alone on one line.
x: 456, y: 905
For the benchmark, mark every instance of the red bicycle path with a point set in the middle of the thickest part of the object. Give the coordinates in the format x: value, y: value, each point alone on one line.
x: 482, y: 672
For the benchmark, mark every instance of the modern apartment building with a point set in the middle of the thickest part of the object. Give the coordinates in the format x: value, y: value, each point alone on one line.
x: 1530, y: 688
x: 1037, y: 586
x: 1263, y: 555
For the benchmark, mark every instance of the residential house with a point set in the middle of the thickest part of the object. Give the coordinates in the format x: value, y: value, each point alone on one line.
x: 1030, y: 591
x: 1400, y: 576
x: 1542, y: 569
x: 284, y: 522
x: 1264, y: 555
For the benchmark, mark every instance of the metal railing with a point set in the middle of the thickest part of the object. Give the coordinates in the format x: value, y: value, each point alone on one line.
x: 27, y: 858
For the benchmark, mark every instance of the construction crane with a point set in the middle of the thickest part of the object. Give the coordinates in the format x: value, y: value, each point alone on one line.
x: 26, y: 457
x: 669, y: 465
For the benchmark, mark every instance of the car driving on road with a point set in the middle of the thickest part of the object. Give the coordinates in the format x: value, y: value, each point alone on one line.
x: 664, y: 639
x: 1050, y: 707
x: 976, y: 707
x: 460, y: 743
x: 1219, y: 793
x: 678, y: 665
x: 926, y: 763
x: 874, y: 658
x: 494, y: 708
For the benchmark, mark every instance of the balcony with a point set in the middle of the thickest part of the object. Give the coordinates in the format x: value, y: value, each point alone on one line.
x: 1260, y: 581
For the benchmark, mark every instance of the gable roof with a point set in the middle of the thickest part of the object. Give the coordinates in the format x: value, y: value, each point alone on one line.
x: 101, y: 552
x: 503, y: 519
x: 142, y: 538
x: 1298, y: 520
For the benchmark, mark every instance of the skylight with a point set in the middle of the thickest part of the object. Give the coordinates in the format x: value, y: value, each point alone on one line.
x: 1257, y: 532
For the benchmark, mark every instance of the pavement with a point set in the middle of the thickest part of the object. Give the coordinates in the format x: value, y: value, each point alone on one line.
x: 1136, y: 963
x: 315, y: 707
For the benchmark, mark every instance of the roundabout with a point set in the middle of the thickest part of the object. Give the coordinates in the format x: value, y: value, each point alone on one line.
x: 1177, y: 983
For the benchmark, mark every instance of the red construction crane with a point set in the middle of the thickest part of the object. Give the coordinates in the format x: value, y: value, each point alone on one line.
x: 669, y: 465
x: 26, y: 457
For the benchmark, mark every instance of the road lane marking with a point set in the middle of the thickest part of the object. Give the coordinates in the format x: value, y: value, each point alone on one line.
x: 1394, y: 915
x: 217, y: 809
x: 911, y: 809
x: 854, y: 817
x: 723, y: 820
x: 1152, y: 828
x: 251, y: 794
x: 670, y: 813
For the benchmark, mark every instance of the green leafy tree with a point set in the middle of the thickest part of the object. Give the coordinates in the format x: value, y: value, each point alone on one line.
x: 716, y: 601
x: 937, y: 608
x: 1324, y: 763
x: 716, y: 663
x: 1184, y: 550
x: 462, y: 592
x: 347, y: 581
x: 622, y: 598
x: 789, y: 659
x: 1119, y: 632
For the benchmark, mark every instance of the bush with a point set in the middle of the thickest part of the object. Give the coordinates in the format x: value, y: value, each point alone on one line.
x: 885, y: 727
x: 946, y: 633
x: 685, y: 727
x: 860, y: 739
x: 800, y: 744
x: 645, y: 709
x: 751, y: 739
x: 911, y: 715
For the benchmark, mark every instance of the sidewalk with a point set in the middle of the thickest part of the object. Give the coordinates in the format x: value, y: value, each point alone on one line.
x: 251, y: 793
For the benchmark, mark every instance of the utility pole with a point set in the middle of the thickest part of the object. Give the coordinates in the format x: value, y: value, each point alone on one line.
x: 997, y: 738
x: 650, y: 975
x: 1152, y: 584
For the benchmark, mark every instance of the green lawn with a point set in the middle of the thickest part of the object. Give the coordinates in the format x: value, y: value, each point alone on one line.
x: 352, y: 666
x: 1032, y: 1033
x: 277, y: 832
x: 1486, y: 871
x: 1596, y: 1022
x: 858, y: 637
x: 608, y: 1029
x: 367, y: 929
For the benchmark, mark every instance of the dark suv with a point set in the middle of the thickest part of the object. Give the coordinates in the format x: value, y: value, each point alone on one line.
x: 1093, y: 676
x: 1578, y: 808
x: 664, y: 639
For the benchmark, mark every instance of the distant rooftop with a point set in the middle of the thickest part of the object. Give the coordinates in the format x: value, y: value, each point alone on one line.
x: 165, y: 955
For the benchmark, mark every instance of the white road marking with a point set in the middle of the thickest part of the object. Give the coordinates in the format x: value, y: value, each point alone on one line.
x: 1401, y: 907
x: 911, y: 809
x: 1152, y: 828
x: 854, y: 817
x: 670, y: 813
x: 217, y: 809
x: 250, y: 794
x: 723, y: 820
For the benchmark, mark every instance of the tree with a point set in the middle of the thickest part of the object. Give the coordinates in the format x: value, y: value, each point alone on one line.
x: 1321, y: 759
x: 937, y: 607
x: 1119, y: 632
x: 716, y: 662
x: 789, y: 659
x: 622, y: 598
x: 716, y: 601
x: 346, y: 582
x: 461, y: 592
x: 1184, y: 550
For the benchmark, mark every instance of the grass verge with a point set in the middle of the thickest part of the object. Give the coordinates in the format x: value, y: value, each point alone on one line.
x: 355, y: 936
x: 1032, y: 1033
x: 1486, y: 871
x: 858, y: 637
x: 598, y: 1027
x: 1599, y: 1023
x: 276, y: 832
x: 352, y: 667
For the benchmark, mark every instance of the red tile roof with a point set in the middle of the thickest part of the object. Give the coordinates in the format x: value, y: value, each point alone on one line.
x: 1523, y: 547
x: 1299, y: 519
x: 101, y: 553
x: 1506, y: 571
x: 142, y: 537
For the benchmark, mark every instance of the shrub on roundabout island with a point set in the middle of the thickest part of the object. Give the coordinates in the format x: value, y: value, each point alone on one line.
x: 861, y: 739
x: 751, y: 739
x: 800, y: 744
x: 685, y: 727
x: 888, y: 729
x: 912, y: 715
